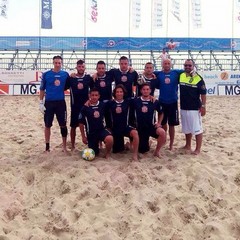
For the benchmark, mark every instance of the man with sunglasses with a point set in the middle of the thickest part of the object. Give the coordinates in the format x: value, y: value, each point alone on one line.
x: 192, y: 105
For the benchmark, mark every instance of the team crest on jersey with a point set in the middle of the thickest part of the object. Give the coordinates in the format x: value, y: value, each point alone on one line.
x: 57, y: 82
x: 167, y: 80
x: 144, y: 109
x: 96, y: 114
x: 118, y: 109
x: 80, y: 86
x: 124, y: 78
x: 102, y: 84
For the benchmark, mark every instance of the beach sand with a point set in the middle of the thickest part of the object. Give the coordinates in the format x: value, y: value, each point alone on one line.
x: 178, y: 196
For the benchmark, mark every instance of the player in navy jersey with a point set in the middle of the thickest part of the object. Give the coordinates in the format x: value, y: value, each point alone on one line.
x: 119, y: 113
x: 149, y: 78
x: 168, y: 81
x: 79, y: 86
x: 103, y: 82
x: 92, y: 118
x: 126, y: 76
x: 147, y: 124
x: 52, y: 88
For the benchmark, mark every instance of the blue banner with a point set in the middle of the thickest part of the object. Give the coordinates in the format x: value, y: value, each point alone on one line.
x: 118, y: 43
x: 46, y: 14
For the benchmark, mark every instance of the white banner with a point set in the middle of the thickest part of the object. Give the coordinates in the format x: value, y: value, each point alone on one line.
x: 93, y: 10
x: 136, y: 13
x: 157, y: 14
x: 176, y: 9
x: 20, y: 76
x: 196, y: 14
x: 3, y: 8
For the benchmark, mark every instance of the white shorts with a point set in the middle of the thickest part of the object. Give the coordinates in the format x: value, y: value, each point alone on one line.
x: 191, y: 122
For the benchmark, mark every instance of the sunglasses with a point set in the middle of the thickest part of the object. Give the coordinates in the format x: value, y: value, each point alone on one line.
x: 187, y: 65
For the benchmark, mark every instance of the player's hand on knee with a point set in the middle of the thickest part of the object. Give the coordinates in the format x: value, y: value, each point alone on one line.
x: 42, y: 108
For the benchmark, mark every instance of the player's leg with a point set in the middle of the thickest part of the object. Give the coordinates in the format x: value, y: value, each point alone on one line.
x: 160, y: 134
x: 48, y: 119
x: 173, y: 120
x: 107, y: 137
x: 73, y: 124
x: 186, y: 129
x: 135, y: 143
x: 61, y: 113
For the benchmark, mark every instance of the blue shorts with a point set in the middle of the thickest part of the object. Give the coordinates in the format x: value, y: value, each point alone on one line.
x: 55, y: 107
x: 96, y: 137
x: 118, y: 139
x: 170, y: 114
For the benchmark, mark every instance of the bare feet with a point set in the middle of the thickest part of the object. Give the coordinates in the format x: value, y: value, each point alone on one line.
x: 135, y: 158
x: 196, y: 152
x: 156, y: 153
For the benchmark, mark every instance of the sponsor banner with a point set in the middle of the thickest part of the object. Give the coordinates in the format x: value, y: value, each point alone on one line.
x: 25, y: 89
x: 157, y: 14
x: 136, y: 13
x: 46, y: 15
x: 3, y: 8
x: 176, y: 9
x: 19, y: 76
x: 196, y: 14
x: 229, y: 90
x: 220, y: 77
x: 93, y: 10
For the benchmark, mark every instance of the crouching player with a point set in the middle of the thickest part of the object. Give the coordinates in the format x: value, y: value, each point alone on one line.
x: 117, y: 118
x: 91, y: 124
x: 145, y: 112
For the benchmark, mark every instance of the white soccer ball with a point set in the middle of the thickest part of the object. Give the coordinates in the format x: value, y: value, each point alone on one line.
x: 88, y: 154
x: 141, y: 80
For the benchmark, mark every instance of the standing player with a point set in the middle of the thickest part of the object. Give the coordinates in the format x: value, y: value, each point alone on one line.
x: 92, y: 117
x: 149, y: 78
x: 79, y: 86
x: 147, y: 125
x: 118, y: 121
x: 168, y: 81
x: 193, y: 105
x: 103, y: 82
x: 52, y: 88
x: 126, y: 76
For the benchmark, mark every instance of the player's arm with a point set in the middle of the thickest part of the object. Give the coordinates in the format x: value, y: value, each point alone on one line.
x: 203, y: 106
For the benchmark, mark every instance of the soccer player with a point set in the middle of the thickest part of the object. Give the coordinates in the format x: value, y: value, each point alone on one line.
x: 91, y: 119
x: 126, y: 76
x: 149, y: 78
x: 103, y: 82
x: 192, y: 105
x: 119, y: 110
x: 79, y: 89
x: 147, y: 125
x: 52, y: 88
x: 168, y: 81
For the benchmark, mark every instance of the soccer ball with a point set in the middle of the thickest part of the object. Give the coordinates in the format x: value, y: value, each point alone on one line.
x: 141, y: 80
x: 88, y: 154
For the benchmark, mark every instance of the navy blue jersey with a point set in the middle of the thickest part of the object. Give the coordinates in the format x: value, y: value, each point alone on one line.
x: 104, y: 86
x: 127, y: 79
x: 79, y: 89
x: 54, y: 85
x: 153, y: 85
x: 93, y: 117
x: 145, y: 112
x: 118, y: 114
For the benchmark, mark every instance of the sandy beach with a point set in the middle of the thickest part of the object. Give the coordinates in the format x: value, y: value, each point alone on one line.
x: 176, y: 197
